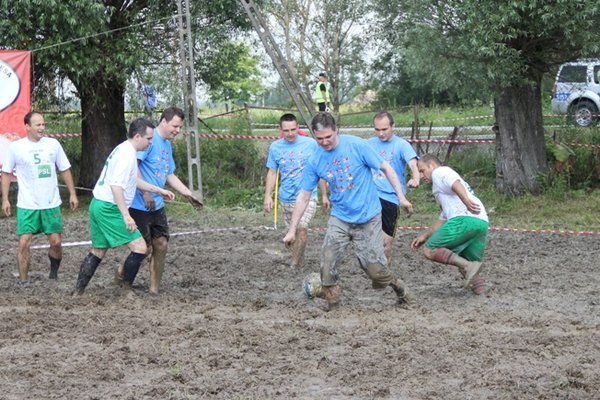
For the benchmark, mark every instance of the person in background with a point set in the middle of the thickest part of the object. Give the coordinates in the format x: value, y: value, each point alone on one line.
x: 400, y: 155
x: 289, y: 155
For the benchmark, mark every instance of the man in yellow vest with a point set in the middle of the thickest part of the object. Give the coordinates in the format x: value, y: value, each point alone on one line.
x: 322, y: 93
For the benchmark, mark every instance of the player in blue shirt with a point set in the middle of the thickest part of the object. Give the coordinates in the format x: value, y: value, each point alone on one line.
x: 157, y: 167
x: 400, y: 154
x: 289, y: 155
x: 345, y: 163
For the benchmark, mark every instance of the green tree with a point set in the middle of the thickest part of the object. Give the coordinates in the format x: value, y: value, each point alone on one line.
x: 502, y: 46
x: 98, y: 44
x: 323, y: 36
x: 234, y: 75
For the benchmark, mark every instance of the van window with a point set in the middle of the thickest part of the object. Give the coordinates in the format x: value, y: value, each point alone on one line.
x: 573, y: 73
x: 597, y: 74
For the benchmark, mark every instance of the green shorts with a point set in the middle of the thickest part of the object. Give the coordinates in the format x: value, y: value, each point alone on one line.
x: 31, y: 222
x: 465, y: 236
x: 107, y: 227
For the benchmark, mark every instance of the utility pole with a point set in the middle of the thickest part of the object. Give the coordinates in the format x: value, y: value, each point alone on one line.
x: 189, y: 97
x: 304, y: 105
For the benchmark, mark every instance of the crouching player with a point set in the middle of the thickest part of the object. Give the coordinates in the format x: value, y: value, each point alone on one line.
x: 459, y: 236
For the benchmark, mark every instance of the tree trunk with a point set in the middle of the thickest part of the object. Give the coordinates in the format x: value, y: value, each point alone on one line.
x: 520, y: 143
x: 102, y: 125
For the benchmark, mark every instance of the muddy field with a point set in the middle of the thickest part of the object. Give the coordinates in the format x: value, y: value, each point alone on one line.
x: 232, y: 323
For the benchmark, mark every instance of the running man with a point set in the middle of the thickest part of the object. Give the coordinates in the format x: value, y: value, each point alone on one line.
x: 345, y: 162
x: 111, y: 225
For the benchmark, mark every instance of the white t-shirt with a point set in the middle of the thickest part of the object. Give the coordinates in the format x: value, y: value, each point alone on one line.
x: 120, y: 169
x: 442, y: 179
x: 35, y: 164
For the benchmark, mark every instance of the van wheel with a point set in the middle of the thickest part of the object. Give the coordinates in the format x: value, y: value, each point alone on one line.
x: 584, y: 113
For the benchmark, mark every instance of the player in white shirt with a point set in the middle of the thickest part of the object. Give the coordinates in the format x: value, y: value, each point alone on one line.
x: 35, y: 159
x: 111, y: 225
x: 459, y: 236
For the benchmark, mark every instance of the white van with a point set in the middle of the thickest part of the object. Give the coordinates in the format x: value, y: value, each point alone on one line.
x: 576, y: 91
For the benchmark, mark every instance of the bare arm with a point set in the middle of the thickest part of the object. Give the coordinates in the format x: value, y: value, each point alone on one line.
x: 422, y: 238
x: 6, y: 177
x: 461, y: 192
x: 145, y: 186
x: 176, y: 184
x: 325, y: 198
x: 269, y: 186
x: 299, y: 208
x: 119, y: 197
x: 415, y: 179
x: 68, y: 179
x: 390, y: 174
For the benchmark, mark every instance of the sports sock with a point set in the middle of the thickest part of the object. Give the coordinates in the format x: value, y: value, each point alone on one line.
x: 54, y: 264
x: 132, y: 266
x: 86, y: 271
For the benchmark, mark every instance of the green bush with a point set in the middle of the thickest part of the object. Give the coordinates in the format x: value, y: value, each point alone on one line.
x: 232, y: 169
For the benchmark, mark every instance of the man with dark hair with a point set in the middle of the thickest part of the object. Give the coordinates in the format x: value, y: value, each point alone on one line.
x: 345, y: 162
x: 111, y: 225
x: 459, y: 236
x: 157, y: 167
x: 321, y: 95
x: 289, y: 155
x: 35, y: 160
x: 399, y: 154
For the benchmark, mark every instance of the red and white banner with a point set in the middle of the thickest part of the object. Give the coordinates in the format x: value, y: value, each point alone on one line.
x: 15, y: 95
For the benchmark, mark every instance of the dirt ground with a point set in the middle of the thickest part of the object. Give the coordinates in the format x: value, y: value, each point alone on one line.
x: 232, y: 323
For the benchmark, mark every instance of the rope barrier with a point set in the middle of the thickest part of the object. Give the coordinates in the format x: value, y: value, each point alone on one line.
x: 322, y: 229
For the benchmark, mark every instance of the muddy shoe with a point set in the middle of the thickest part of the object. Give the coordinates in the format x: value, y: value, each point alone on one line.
x: 403, y: 293
x: 332, y: 295
x: 471, y: 271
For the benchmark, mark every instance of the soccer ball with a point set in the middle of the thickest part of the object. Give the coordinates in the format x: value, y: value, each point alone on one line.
x: 312, y: 285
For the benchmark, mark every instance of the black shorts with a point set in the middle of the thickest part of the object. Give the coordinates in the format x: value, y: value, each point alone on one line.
x: 322, y: 106
x: 389, y: 217
x: 152, y: 224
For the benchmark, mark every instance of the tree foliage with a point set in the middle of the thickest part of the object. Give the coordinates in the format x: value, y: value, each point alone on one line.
x: 503, y: 47
x: 99, y: 44
x: 233, y: 75
x: 323, y: 36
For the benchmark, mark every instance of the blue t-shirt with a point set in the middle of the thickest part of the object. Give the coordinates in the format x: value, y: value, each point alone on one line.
x: 290, y: 159
x: 397, y: 152
x: 347, y: 169
x: 156, y: 163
